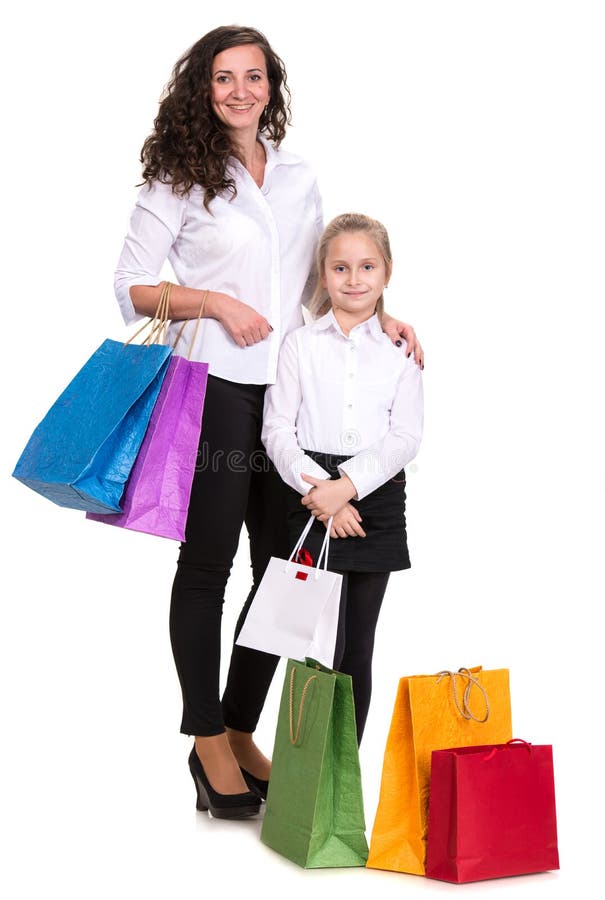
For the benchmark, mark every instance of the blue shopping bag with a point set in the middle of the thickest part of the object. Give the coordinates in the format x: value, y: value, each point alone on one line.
x: 81, y: 453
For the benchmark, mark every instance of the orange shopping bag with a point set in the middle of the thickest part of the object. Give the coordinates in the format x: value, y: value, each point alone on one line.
x: 432, y: 712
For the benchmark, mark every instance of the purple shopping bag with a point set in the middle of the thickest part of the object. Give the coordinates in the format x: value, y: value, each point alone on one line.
x: 156, y: 496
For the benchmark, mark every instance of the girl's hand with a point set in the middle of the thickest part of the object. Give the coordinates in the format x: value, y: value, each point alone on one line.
x: 243, y: 323
x: 397, y: 330
x: 346, y: 523
x: 327, y: 497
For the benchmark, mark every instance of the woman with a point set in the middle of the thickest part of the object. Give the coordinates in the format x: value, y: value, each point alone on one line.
x: 239, y: 220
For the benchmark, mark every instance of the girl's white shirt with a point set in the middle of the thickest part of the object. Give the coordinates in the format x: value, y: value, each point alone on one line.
x: 357, y: 395
x: 257, y: 247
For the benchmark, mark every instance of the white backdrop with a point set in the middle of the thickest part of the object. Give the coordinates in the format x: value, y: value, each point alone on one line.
x: 474, y: 130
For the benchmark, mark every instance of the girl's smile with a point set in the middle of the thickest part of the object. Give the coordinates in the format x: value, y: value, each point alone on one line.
x: 355, y: 276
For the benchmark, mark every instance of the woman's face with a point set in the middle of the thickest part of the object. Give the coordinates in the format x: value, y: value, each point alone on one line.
x: 240, y: 88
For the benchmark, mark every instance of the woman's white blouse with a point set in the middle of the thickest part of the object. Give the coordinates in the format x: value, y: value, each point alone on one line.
x: 257, y: 247
x: 358, y: 396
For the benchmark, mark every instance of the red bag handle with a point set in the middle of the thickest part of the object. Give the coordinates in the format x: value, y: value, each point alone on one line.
x: 494, y: 750
x: 519, y: 741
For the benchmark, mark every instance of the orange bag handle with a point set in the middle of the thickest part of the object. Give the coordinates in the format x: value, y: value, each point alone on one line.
x: 465, y: 708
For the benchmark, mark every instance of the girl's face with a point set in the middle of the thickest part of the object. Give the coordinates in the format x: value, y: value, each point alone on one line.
x: 240, y: 87
x: 355, y: 274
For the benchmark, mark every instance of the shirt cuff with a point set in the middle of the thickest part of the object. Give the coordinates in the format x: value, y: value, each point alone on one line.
x: 122, y: 289
x: 308, y: 466
x: 365, y: 477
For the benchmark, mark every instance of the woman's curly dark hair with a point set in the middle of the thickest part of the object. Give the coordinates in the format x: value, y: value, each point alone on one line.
x: 189, y: 145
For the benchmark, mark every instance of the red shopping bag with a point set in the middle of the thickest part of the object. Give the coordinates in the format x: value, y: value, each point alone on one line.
x: 491, y: 812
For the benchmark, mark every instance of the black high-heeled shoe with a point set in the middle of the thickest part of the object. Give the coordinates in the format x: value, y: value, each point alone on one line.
x: 222, y: 806
x: 257, y: 785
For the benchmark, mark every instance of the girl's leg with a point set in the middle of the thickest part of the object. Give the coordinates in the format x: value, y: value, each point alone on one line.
x: 360, y: 606
x: 339, y: 649
x: 250, y: 671
x: 219, y: 499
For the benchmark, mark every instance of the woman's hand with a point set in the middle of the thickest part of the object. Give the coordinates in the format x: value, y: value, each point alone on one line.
x: 240, y: 321
x: 243, y: 323
x: 327, y: 497
x: 397, y: 330
x: 346, y: 523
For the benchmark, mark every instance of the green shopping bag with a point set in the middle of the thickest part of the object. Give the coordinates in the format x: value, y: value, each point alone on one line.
x: 314, y: 809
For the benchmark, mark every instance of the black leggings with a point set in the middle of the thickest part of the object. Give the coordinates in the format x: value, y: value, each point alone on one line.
x: 360, y: 602
x: 234, y: 483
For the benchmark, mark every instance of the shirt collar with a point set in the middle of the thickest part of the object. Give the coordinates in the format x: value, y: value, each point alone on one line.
x: 371, y: 326
x: 277, y: 157
x: 273, y: 157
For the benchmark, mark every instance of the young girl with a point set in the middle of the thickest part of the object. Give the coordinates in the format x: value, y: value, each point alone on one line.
x: 340, y: 423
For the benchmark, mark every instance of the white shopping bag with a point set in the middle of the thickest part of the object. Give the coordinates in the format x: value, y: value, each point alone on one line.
x: 294, y: 612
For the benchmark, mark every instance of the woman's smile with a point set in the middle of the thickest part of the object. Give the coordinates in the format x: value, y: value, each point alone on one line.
x: 240, y: 87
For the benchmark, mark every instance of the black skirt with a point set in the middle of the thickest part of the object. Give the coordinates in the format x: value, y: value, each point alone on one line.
x: 384, y: 549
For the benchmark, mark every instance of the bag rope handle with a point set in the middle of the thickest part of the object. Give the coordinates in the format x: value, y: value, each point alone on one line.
x: 294, y: 737
x: 158, y: 323
x: 197, y: 325
x: 507, y: 746
x: 324, y: 547
x: 519, y: 741
x: 465, y: 709
x: 300, y: 541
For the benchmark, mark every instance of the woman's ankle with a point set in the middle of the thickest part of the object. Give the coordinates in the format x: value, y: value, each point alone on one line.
x: 220, y: 763
x: 247, y: 754
x: 239, y: 738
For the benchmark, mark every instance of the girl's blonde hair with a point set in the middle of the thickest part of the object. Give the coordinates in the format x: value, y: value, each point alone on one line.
x: 348, y: 223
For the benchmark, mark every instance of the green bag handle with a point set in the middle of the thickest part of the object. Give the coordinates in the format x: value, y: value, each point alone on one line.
x: 294, y: 737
